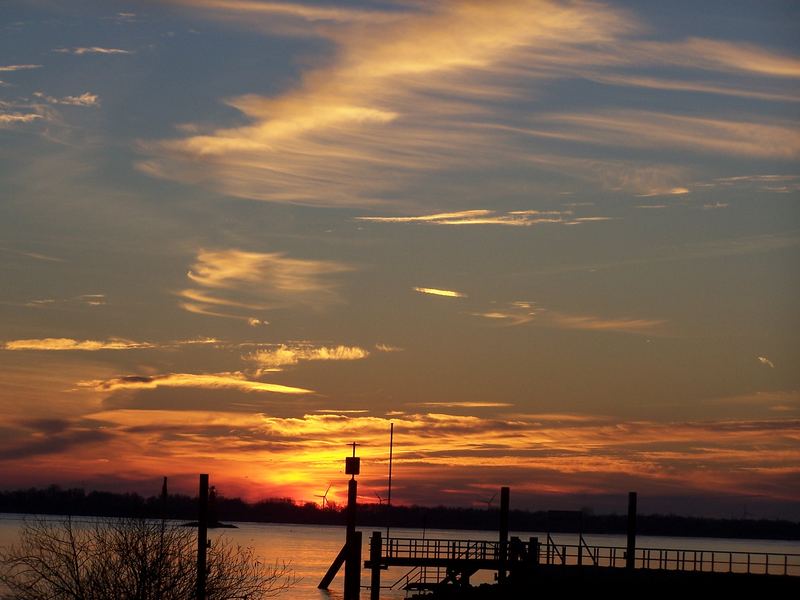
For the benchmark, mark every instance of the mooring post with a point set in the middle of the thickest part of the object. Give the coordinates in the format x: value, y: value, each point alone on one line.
x: 504, y: 500
x: 202, y: 537
x: 533, y: 551
x: 352, y: 568
x: 630, y: 555
x: 352, y: 494
x: 375, y: 561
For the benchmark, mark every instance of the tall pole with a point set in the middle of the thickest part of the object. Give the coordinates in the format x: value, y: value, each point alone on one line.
x: 389, y: 499
x: 630, y: 555
x: 202, y: 537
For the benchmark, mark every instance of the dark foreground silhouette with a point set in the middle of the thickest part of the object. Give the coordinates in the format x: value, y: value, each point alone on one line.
x: 77, y: 502
x: 590, y: 581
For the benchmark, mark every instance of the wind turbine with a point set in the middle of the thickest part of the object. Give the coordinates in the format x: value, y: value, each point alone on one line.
x: 324, y: 496
x: 380, y: 500
x: 489, y: 501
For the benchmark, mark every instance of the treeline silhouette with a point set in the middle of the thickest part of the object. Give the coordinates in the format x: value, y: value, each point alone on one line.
x: 77, y: 502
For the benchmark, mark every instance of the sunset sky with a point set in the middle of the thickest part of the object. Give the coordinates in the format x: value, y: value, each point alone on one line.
x: 557, y: 244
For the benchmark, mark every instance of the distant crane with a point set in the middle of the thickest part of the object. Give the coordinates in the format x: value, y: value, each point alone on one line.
x: 489, y: 501
x: 324, y: 496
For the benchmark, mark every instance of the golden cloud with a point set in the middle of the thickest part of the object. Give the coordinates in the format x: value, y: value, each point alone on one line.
x: 71, y: 344
x: 439, y: 292
x: 515, y: 218
x: 240, y: 281
x: 408, y: 77
x: 66, y: 344
x: 235, y: 381
x: 284, y: 355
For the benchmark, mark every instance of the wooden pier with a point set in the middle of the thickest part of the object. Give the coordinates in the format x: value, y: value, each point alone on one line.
x: 439, y: 564
x: 443, y: 568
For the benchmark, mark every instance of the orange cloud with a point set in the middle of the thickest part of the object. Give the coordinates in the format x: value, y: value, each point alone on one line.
x: 566, y: 452
x: 68, y: 344
x: 437, y: 451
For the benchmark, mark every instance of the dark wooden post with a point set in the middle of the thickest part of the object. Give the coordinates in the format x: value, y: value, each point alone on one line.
x: 504, y: 501
x: 352, y: 568
x: 202, y: 537
x: 630, y: 555
x: 352, y: 494
x: 375, y: 560
x: 533, y: 551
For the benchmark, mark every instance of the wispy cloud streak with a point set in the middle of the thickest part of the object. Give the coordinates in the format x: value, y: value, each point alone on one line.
x: 85, y: 99
x: 524, y: 312
x: 234, y: 381
x: 242, y: 282
x: 514, y: 218
x: 286, y: 355
x: 91, y: 50
x: 11, y: 68
x: 439, y: 292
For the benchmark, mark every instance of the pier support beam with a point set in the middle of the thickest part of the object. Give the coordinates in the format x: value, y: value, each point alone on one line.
x: 352, y: 568
x: 375, y: 560
x: 630, y: 554
x: 202, y: 537
x: 533, y: 552
x: 504, y: 503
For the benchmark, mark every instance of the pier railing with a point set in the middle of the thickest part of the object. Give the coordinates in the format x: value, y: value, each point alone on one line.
x: 673, y: 559
x: 583, y: 553
x: 394, y: 548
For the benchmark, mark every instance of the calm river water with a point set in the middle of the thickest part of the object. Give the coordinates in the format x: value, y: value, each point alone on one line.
x: 310, y: 549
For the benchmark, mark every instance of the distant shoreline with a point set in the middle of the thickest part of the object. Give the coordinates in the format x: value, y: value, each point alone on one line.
x: 77, y: 502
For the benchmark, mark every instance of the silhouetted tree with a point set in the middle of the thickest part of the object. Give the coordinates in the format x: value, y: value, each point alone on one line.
x: 129, y: 559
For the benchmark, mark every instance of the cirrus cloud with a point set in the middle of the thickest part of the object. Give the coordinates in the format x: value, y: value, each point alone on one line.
x: 235, y: 381
x: 235, y: 283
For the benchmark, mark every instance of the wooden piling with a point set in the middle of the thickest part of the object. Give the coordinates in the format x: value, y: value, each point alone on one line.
x: 375, y: 560
x: 352, y: 568
x: 504, y: 503
x: 352, y: 494
x: 630, y: 555
x: 202, y: 537
x: 533, y: 552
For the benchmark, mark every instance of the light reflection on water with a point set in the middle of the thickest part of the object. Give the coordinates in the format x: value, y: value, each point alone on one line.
x: 310, y: 549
